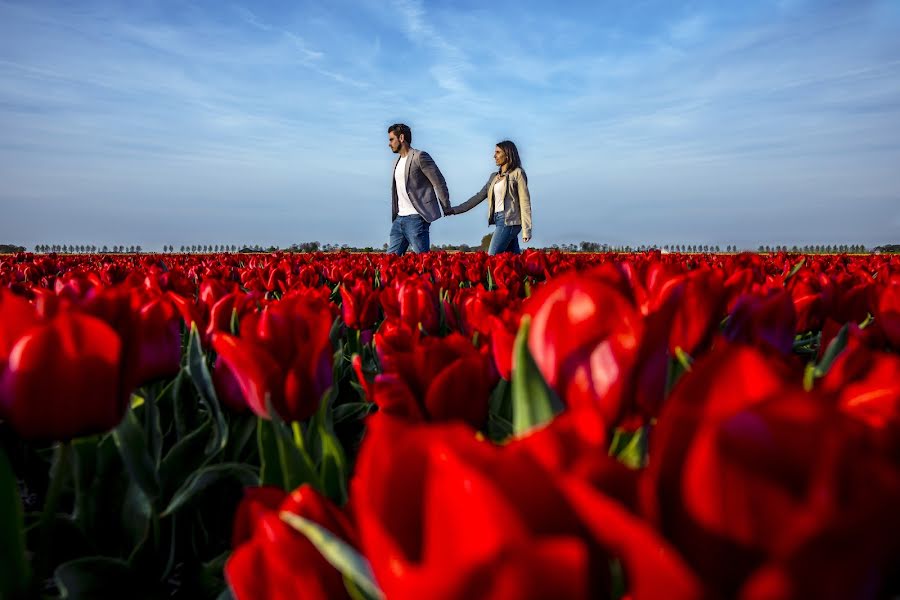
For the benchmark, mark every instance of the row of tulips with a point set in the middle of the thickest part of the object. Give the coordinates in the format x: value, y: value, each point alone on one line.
x: 450, y: 426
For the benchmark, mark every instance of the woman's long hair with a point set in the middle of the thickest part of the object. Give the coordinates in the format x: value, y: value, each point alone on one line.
x: 512, y: 154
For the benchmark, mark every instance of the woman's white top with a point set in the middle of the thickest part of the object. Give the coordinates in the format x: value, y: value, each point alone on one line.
x: 499, y: 194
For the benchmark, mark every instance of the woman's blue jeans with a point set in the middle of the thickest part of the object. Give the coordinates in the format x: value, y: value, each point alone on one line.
x: 505, y: 238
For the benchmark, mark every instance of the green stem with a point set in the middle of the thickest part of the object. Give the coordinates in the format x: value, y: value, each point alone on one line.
x: 60, y: 471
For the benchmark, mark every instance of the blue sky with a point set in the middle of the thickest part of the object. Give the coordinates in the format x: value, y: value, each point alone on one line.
x: 152, y: 123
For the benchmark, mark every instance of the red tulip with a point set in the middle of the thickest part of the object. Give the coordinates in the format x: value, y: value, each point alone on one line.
x: 222, y: 312
x: 63, y: 379
x: 585, y: 339
x: 415, y: 303
x: 283, y: 356
x: 152, y: 343
x: 274, y: 561
x: 393, y: 338
x: 17, y: 316
x: 851, y: 299
x: 701, y: 308
x: 442, y: 515
x: 256, y: 503
x: 439, y: 379
x: 810, y: 304
x: 887, y: 311
x: 767, y: 322
x: 866, y: 384
x: 751, y: 476
x: 359, y: 305
x: 502, y: 335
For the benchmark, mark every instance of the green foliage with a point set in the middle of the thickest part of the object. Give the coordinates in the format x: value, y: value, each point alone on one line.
x: 533, y: 402
x: 341, y: 555
x: 14, y: 570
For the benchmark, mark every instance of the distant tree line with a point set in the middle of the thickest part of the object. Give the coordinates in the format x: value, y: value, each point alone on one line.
x: 714, y: 248
x: 86, y: 249
x: 599, y: 247
x: 485, y: 243
x: 818, y: 249
x: 207, y: 248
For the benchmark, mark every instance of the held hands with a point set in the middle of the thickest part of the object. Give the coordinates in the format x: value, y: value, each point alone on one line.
x: 449, y: 211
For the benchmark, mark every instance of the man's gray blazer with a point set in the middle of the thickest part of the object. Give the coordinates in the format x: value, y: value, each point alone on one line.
x: 424, y: 184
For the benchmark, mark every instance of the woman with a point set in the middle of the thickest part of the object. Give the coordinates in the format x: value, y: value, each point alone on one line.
x: 509, y: 205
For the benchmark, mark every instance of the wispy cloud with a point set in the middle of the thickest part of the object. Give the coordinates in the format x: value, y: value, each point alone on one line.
x: 451, y: 66
x: 689, y: 29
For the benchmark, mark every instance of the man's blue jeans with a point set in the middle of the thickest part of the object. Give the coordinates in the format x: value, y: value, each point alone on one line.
x: 410, y: 231
x: 505, y: 238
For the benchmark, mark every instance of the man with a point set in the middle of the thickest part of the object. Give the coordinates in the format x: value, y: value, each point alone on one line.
x: 416, y: 189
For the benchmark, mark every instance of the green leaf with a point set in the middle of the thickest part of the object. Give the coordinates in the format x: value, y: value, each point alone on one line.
x: 354, y: 592
x: 199, y: 373
x: 209, y: 578
x: 132, y: 445
x: 499, y: 428
x: 500, y: 424
x: 13, y: 562
x: 794, y: 270
x: 226, y: 595
x: 533, y: 402
x: 352, y: 411
x: 630, y: 447
x: 835, y: 347
x: 334, y: 469
x: 677, y: 366
x: 235, y: 326
x: 84, y: 471
x: 98, y: 577
x: 184, y: 459
x: 207, y: 477
x: 334, y: 334
x: 809, y: 377
x: 297, y: 467
x: 99, y: 486
x: 182, y: 414
x: 67, y: 542
x: 269, y: 459
x: 136, y: 513
x: 153, y: 428
x: 499, y: 398
x: 243, y: 434
x: 684, y: 359
x: 617, y: 576
x: 341, y: 555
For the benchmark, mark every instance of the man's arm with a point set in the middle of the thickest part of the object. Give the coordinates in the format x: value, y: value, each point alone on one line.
x: 431, y: 171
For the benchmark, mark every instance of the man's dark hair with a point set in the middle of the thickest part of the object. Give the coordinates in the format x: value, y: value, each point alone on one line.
x: 512, y: 153
x: 399, y: 129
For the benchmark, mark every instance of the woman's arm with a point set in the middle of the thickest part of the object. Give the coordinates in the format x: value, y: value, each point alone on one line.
x: 474, y: 200
x: 524, y: 205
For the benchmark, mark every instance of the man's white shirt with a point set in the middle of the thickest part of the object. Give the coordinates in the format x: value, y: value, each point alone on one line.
x: 404, y: 204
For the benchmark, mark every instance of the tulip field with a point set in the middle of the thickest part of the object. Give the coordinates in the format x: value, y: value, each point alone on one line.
x: 450, y: 426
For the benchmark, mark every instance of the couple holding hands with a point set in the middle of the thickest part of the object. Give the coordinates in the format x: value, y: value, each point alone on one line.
x: 418, y: 186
